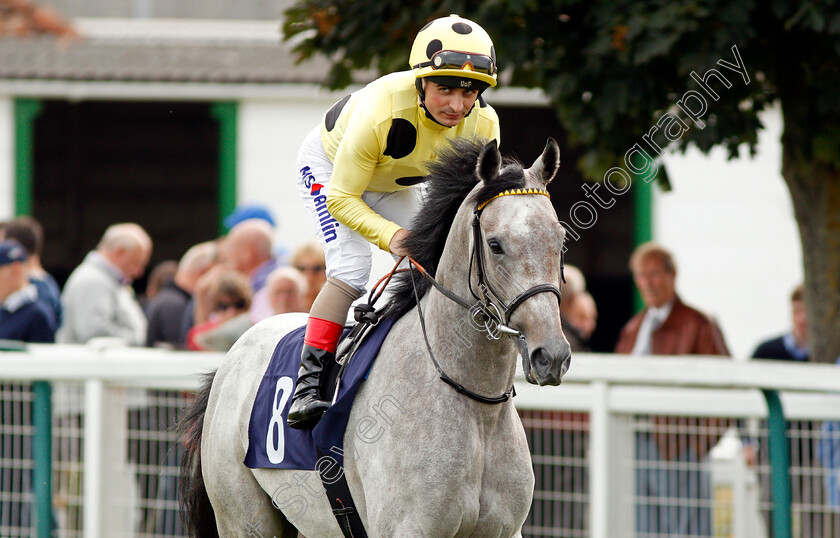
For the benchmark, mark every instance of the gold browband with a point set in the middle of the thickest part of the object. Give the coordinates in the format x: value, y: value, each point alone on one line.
x: 514, y: 191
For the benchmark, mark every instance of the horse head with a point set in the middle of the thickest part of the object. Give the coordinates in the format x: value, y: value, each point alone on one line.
x: 488, y: 233
x: 517, y: 245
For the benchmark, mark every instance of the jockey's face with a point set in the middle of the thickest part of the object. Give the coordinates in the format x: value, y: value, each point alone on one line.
x: 448, y: 105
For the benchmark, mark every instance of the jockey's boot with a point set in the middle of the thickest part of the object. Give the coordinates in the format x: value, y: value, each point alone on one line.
x: 319, y: 343
x: 307, y: 403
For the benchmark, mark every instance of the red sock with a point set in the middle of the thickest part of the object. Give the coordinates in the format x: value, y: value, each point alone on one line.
x: 323, y: 334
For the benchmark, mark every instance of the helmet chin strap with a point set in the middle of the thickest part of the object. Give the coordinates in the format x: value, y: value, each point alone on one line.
x: 421, y: 92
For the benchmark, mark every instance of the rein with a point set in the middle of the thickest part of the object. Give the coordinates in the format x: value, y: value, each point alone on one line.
x: 365, y: 314
x: 461, y: 389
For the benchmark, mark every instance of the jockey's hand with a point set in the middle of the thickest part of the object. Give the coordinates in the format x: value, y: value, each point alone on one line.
x: 396, y: 244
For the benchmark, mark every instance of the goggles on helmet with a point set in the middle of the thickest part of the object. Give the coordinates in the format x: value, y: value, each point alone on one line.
x: 452, y: 59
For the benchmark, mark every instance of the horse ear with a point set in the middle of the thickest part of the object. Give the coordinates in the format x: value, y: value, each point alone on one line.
x: 489, y: 162
x: 546, y: 164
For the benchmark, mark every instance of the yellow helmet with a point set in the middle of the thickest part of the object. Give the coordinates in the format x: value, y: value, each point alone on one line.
x: 454, y: 47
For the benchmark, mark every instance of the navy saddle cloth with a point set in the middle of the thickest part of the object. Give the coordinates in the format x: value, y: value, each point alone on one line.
x: 271, y: 443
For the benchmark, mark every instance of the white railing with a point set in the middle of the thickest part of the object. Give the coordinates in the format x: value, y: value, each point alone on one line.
x: 611, y: 389
x: 110, y: 377
x: 614, y: 389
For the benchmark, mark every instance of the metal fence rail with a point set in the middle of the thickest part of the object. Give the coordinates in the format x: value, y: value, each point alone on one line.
x: 608, y: 445
x: 16, y: 463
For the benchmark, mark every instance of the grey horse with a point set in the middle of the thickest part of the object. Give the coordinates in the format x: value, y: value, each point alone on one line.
x: 421, y: 457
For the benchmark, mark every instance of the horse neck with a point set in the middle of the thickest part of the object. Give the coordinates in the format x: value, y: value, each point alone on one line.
x: 465, y: 353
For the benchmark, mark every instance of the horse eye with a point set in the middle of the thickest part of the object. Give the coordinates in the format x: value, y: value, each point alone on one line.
x: 495, y: 247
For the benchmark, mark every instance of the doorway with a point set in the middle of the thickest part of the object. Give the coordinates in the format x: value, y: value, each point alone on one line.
x: 96, y: 163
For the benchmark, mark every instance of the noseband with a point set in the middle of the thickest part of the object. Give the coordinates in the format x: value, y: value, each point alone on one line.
x: 489, y: 312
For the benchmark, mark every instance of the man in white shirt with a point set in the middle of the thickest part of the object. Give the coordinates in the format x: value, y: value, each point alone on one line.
x: 673, y: 492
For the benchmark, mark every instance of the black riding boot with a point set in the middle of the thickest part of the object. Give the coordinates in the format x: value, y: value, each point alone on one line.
x: 307, y: 405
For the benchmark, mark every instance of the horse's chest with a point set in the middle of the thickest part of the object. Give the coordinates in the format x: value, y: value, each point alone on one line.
x: 418, y: 481
x: 506, y: 490
x: 497, y: 487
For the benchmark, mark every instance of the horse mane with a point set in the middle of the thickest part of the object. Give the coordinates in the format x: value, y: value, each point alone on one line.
x: 451, y: 178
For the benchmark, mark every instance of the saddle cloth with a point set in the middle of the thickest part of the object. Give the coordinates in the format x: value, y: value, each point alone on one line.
x: 271, y: 443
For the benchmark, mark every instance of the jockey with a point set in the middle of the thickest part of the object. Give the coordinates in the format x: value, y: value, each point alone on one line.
x: 359, y: 173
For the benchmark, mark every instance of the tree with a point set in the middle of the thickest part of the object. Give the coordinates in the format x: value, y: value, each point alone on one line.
x: 630, y: 79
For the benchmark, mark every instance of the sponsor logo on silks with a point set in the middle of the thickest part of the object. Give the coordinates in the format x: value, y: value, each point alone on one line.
x: 327, y: 222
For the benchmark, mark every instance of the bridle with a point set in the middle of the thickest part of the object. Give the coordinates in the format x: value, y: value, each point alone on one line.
x: 492, y: 304
x: 489, y: 312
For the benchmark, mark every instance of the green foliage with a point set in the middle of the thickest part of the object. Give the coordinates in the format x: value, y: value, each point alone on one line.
x: 613, y: 69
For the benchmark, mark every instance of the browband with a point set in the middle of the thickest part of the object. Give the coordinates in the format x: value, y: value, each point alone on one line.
x: 510, y: 192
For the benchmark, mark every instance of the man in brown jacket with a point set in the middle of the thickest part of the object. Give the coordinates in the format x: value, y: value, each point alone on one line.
x: 666, y: 326
x: 672, y: 491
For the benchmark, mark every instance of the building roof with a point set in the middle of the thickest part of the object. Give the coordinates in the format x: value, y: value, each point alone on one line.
x: 155, y: 50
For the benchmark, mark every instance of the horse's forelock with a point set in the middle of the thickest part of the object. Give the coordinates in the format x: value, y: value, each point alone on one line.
x: 512, y: 176
x: 452, y: 177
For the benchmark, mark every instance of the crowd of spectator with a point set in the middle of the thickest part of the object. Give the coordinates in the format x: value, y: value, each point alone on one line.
x: 204, y: 301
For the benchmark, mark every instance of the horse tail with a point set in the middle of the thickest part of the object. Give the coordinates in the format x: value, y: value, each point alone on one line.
x: 196, y: 510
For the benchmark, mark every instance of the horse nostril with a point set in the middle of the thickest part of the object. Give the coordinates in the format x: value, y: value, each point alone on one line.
x: 540, y: 360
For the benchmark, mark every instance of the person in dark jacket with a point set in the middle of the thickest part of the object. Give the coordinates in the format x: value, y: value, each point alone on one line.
x: 30, y: 234
x: 167, y: 309
x: 793, y: 345
x: 23, y: 315
x: 804, y: 435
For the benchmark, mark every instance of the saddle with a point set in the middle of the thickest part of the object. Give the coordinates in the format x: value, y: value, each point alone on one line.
x: 272, y: 444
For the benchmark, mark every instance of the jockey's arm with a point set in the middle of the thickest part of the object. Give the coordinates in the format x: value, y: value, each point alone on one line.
x: 357, y: 156
x: 396, y: 246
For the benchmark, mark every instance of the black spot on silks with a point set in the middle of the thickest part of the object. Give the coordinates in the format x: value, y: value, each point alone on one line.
x: 434, y: 46
x: 334, y: 113
x: 402, y: 137
x: 409, y: 181
x: 461, y: 28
